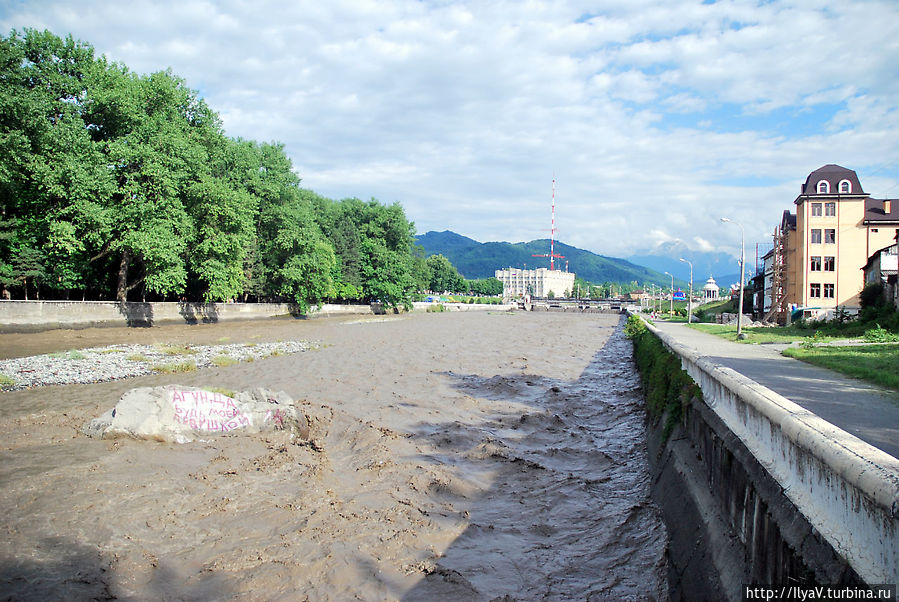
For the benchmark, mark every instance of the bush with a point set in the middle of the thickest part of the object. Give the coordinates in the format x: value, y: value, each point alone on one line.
x: 878, y: 334
x: 871, y: 295
x: 666, y: 386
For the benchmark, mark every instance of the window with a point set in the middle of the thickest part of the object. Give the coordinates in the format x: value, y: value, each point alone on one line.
x: 874, y: 230
x: 830, y: 264
x: 816, y: 209
x: 816, y: 236
x: 816, y: 263
x: 830, y: 209
x: 830, y: 236
x: 828, y: 291
x: 823, y: 187
x: 845, y: 187
x: 814, y: 290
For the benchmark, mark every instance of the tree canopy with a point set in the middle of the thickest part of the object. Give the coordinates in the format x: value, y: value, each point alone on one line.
x: 115, y: 185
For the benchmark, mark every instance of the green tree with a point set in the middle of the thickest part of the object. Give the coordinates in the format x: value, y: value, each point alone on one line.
x: 486, y: 287
x: 442, y: 276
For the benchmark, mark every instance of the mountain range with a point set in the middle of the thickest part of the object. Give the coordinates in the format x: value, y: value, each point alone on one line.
x: 475, y: 260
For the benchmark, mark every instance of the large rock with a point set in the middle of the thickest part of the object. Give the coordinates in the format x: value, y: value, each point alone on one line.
x: 181, y: 414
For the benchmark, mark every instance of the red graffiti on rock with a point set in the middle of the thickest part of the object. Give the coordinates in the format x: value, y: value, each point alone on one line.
x: 207, y: 411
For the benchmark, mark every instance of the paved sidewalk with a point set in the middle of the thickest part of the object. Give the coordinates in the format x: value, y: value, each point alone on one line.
x: 869, y: 412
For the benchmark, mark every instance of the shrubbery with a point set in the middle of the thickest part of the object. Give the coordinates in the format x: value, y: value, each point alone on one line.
x: 666, y: 386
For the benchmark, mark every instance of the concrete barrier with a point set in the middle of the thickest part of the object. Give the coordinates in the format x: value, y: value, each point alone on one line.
x: 424, y: 305
x: 25, y: 316
x: 846, y: 489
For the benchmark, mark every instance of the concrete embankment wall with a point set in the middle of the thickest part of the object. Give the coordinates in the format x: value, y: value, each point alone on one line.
x: 779, y: 495
x: 27, y: 316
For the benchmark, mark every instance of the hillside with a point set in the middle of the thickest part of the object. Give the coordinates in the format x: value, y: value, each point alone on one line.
x: 474, y: 259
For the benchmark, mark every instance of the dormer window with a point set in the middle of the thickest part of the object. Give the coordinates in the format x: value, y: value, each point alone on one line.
x: 823, y: 187
x: 845, y: 187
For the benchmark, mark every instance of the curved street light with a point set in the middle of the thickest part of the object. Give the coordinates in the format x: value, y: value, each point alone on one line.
x: 690, y: 298
x: 742, y: 275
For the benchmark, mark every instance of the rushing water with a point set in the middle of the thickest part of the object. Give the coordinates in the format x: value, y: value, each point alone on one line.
x: 465, y: 457
x: 568, y: 514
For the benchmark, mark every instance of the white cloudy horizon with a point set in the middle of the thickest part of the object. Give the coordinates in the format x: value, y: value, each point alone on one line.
x: 655, y: 118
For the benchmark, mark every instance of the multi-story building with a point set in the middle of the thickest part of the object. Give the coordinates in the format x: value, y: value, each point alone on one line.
x: 536, y: 283
x: 823, y: 247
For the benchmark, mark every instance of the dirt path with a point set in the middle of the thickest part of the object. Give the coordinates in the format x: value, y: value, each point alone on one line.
x: 468, y: 456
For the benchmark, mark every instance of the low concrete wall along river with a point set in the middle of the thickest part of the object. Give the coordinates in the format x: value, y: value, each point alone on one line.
x: 25, y: 316
x: 847, y: 490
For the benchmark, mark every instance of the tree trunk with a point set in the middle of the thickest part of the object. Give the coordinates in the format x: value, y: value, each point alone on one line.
x: 122, y: 288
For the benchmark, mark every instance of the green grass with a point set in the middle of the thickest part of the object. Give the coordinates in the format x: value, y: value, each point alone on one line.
x: 175, y: 349
x: 224, y: 360
x: 175, y: 368
x: 67, y: 355
x: 782, y: 334
x: 6, y: 381
x: 878, y: 364
x: 137, y: 357
x: 225, y: 392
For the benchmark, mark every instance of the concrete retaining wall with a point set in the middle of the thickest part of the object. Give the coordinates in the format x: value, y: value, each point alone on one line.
x: 847, y: 490
x: 24, y: 316
x: 424, y: 305
x: 27, y: 316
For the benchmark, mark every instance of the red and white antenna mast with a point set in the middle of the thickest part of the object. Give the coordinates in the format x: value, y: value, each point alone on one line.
x: 552, y: 234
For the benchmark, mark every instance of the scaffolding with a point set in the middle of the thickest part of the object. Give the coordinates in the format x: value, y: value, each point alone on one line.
x: 778, y: 310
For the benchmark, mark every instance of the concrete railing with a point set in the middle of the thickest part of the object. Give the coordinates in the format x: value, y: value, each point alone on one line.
x: 846, y: 489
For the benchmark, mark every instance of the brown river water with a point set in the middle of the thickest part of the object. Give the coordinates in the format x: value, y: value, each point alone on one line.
x: 467, y: 456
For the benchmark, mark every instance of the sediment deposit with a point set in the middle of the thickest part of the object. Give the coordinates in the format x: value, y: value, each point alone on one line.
x: 461, y: 456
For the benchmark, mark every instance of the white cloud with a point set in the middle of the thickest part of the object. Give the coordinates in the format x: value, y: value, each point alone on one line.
x: 463, y: 111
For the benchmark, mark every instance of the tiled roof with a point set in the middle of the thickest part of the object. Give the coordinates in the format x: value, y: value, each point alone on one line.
x: 874, y: 210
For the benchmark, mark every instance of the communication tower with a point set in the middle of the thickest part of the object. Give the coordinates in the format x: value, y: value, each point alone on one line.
x: 552, y: 234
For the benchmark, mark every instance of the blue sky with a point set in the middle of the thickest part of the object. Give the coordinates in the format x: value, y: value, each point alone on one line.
x: 655, y: 117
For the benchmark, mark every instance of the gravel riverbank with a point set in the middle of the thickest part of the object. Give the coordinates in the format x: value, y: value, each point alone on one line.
x: 100, y: 364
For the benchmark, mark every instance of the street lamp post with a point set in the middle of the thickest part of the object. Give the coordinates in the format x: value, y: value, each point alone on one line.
x: 742, y: 275
x: 690, y: 298
x: 671, y: 304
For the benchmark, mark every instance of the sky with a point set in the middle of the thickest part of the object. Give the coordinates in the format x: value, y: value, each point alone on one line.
x: 654, y: 118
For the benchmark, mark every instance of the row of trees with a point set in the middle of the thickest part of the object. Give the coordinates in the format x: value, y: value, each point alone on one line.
x: 118, y: 185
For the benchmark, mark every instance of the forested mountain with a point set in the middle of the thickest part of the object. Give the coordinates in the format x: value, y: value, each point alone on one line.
x: 115, y: 185
x: 480, y: 260
x: 722, y: 266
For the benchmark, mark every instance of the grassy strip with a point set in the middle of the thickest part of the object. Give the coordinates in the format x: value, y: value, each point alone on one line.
x: 175, y: 368
x: 666, y: 386
x: 788, y: 334
x: 878, y: 364
x: 6, y: 381
x: 224, y: 360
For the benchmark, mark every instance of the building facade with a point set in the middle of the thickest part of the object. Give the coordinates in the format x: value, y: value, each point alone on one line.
x: 536, y: 283
x: 824, y: 246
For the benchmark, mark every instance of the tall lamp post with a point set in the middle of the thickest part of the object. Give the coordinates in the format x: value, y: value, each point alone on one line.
x: 671, y: 304
x: 742, y: 275
x: 690, y: 298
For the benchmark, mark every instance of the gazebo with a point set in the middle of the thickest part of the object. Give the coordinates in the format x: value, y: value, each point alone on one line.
x: 710, y: 291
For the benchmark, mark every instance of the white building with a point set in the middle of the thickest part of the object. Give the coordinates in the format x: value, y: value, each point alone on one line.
x: 536, y: 283
x: 710, y: 291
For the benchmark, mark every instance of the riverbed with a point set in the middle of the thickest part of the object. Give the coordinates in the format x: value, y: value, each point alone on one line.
x: 464, y: 456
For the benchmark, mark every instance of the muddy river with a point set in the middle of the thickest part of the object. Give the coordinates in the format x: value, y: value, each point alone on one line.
x: 465, y: 456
